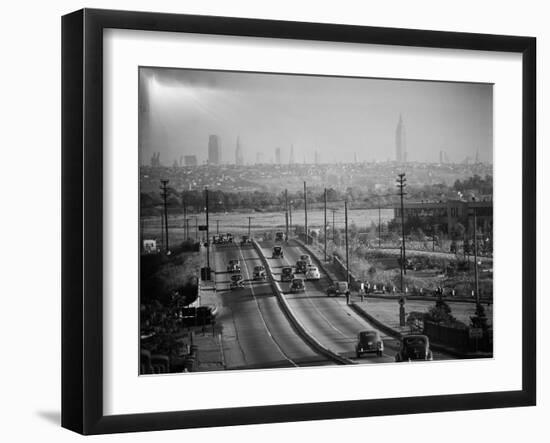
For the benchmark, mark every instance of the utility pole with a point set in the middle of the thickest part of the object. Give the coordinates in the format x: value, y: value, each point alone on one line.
x: 187, y: 228
x: 305, y: 212
x: 475, y: 257
x: 164, y: 197
x: 325, y: 224
x: 379, y: 225
x: 249, y: 219
x: 217, y: 226
x: 141, y: 234
x: 333, y: 226
x: 347, y: 249
x: 196, y: 228
x: 185, y: 232
x: 286, y: 213
x: 401, y: 184
x: 290, y: 215
x: 207, y: 231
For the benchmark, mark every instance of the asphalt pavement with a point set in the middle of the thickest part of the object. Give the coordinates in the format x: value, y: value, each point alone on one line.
x: 255, y: 331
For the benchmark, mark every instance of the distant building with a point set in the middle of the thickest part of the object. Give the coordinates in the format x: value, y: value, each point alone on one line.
x: 317, y: 158
x: 278, y: 156
x: 400, y: 145
x: 291, y: 157
x: 190, y: 160
x: 214, y: 150
x: 259, y: 158
x: 239, y: 159
x: 155, y: 159
x: 449, y: 213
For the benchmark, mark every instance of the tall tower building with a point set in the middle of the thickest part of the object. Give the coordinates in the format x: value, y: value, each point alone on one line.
x: 317, y: 158
x: 239, y: 160
x: 214, y: 150
x: 278, y: 156
x: 291, y: 158
x: 259, y: 158
x: 400, y: 146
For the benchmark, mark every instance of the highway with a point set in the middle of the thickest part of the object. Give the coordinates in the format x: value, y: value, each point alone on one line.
x: 255, y: 331
x: 328, y: 319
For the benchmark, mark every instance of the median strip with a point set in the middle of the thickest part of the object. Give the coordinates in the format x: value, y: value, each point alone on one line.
x: 306, y: 336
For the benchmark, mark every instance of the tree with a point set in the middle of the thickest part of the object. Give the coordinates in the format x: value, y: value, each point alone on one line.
x: 458, y: 231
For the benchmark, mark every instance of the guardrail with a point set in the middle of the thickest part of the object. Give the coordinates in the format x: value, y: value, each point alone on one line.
x: 308, y: 338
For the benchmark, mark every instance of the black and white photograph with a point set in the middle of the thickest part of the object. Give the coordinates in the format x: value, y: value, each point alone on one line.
x: 290, y: 220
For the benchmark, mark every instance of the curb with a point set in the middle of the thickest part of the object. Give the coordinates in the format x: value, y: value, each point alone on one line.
x: 320, y: 263
x: 309, y: 339
x: 377, y: 323
x: 396, y: 334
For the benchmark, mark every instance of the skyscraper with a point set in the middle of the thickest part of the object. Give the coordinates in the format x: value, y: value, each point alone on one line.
x: 278, y: 156
x: 317, y: 158
x: 214, y: 150
x: 291, y: 158
x: 190, y: 160
x: 259, y: 158
x: 239, y: 160
x: 400, y: 146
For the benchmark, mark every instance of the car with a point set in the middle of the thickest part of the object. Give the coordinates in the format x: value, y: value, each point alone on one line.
x: 287, y: 274
x: 305, y: 258
x: 216, y: 239
x: 369, y: 342
x: 237, y: 281
x: 279, y: 236
x: 301, y: 266
x: 233, y: 266
x: 338, y: 288
x: 245, y: 239
x: 312, y: 273
x: 259, y: 273
x: 229, y: 237
x: 414, y: 347
x: 277, y: 252
x: 297, y: 285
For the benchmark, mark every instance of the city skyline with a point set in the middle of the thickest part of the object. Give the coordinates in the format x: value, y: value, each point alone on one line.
x: 310, y: 118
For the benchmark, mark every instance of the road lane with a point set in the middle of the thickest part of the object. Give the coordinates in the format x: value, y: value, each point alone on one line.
x: 256, y: 333
x: 329, y: 319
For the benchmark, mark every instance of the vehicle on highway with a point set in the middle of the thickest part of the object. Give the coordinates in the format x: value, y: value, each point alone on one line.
x: 287, y: 274
x: 338, y: 288
x: 229, y: 237
x: 312, y: 273
x: 297, y: 285
x: 279, y: 236
x: 245, y: 239
x: 216, y: 239
x: 301, y: 266
x: 277, y: 252
x: 305, y: 258
x: 237, y: 281
x: 233, y: 266
x: 414, y: 347
x: 259, y: 273
x: 369, y: 342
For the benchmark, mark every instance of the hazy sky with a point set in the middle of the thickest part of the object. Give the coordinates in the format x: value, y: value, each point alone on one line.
x: 337, y: 116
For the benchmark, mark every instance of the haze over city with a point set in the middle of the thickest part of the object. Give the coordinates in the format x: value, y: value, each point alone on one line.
x: 322, y: 119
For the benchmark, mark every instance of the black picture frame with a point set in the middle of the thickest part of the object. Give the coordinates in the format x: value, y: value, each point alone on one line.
x: 82, y: 215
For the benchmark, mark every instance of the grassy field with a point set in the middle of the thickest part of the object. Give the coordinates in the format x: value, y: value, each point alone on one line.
x: 260, y: 223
